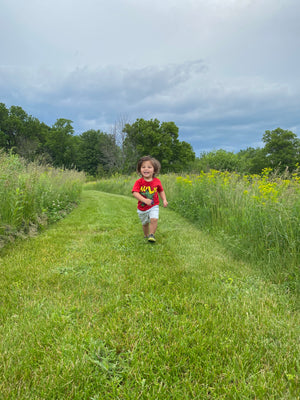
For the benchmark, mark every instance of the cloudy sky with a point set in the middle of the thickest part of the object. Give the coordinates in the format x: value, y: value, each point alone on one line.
x: 223, y: 70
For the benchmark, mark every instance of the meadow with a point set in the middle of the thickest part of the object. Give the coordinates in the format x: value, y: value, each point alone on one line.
x: 256, y: 217
x: 33, y: 195
x: 89, y: 310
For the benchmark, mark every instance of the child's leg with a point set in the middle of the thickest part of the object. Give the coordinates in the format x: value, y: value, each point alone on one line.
x: 146, y: 229
x: 153, y: 225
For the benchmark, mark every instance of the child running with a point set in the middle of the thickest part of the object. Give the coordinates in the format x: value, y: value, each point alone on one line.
x: 146, y: 190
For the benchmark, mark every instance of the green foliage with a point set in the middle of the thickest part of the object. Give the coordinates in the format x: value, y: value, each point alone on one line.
x: 98, y: 154
x: 282, y: 148
x: 252, y: 160
x: 160, y: 140
x: 258, y: 217
x: 281, y: 151
x: 21, y: 133
x: 221, y: 160
x: 32, y: 195
x: 101, y: 154
x: 60, y: 145
x: 94, y: 152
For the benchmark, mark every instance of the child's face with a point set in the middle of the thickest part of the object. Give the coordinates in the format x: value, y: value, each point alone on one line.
x: 147, y: 170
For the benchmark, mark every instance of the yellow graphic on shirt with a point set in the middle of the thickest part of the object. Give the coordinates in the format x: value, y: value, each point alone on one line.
x: 147, y: 189
x: 147, y: 192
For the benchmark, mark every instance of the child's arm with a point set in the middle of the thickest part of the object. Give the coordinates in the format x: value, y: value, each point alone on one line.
x: 163, y: 197
x: 141, y: 198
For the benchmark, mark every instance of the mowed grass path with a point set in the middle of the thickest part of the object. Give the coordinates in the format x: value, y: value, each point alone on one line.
x: 89, y: 310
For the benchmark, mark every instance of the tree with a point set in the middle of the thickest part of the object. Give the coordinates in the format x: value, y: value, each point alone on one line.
x: 160, y: 140
x: 13, y: 126
x: 97, y: 153
x: 59, y: 144
x: 4, y: 139
x: 118, y: 133
x: 252, y: 160
x: 221, y: 160
x: 21, y: 133
x: 282, y: 148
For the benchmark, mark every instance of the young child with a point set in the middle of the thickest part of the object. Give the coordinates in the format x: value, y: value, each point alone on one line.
x: 146, y: 190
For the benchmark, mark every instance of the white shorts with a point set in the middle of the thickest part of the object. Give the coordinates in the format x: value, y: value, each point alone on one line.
x: 145, y: 216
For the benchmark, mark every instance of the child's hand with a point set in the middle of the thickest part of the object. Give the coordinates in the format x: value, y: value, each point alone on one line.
x: 165, y: 203
x: 148, y: 202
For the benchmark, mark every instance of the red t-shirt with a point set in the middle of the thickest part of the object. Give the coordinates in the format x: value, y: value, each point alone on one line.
x: 149, y: 190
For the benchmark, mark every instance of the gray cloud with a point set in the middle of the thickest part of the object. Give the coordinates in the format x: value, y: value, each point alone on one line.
x: 223, y: 71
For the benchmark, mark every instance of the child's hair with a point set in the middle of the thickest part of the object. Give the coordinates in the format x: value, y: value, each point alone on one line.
x: 154, y: 162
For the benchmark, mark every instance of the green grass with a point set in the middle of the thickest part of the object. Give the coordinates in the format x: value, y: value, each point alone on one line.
x: 257, y: 217
x: 33, y: 195
x: 89, y: 310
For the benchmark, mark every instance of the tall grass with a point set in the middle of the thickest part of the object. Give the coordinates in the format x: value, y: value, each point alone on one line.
x: 256, y: 216
x: 32, y: 195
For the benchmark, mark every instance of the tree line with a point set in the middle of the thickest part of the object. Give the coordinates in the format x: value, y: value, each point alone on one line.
x: 99, y: 153
x: 281, y: 152
x: 95, y: 152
